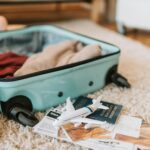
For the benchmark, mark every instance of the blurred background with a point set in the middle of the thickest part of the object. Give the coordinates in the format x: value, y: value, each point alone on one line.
x: 130, y: 18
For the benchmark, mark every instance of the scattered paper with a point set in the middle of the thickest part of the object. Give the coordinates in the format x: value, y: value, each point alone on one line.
x: 143, y: 141
x: 80, y: 133
x: 129, y: 126
x: 108, y: 144
x: 45, y: 126
x: 98, y: 141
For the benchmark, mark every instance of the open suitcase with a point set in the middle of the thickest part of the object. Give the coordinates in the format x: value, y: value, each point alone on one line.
x: 19, y: 96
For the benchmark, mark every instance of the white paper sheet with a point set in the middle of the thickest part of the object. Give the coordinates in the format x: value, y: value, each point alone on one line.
x: 129, y: 126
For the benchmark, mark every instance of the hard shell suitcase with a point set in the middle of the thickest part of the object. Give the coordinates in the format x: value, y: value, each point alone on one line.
x: 42, y: 90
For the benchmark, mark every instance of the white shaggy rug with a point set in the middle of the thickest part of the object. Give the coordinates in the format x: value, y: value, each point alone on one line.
x: 134, y: 64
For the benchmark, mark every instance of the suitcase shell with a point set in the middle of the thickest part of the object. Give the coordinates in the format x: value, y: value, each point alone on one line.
x: 51, y: 87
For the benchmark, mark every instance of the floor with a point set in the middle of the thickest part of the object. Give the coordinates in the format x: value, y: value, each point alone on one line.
x: 139, y: 35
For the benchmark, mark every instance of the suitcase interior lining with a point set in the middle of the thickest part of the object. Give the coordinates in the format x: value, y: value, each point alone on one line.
x: 31, y: 42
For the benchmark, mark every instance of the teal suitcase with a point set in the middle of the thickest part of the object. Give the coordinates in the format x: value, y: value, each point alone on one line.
x: 19, y: 96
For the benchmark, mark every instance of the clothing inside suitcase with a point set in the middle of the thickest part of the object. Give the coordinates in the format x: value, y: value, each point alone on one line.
x: 31, y: 42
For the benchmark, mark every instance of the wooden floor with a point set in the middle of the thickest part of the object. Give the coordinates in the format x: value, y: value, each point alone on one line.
x: 139, y: 35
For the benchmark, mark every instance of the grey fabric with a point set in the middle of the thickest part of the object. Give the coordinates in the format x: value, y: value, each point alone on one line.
x: 29, y: 43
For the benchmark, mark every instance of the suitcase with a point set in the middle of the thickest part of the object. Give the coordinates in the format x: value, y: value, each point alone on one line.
x: 20, y: 96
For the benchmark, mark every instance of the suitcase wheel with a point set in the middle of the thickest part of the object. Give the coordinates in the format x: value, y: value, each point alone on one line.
x: 23, y: 116
x: 118, y: 79
x: 19, y: 108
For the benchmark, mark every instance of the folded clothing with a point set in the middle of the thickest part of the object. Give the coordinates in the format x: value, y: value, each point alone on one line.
x: 60, y: 54
x: 10, y: 63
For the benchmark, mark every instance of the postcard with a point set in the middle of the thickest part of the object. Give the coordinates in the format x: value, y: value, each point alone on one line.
x: 143, y: 141
x: 80, y: 133
x: 129, y: 126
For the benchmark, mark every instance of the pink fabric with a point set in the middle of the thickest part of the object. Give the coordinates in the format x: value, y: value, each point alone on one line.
x: 59, y: 54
